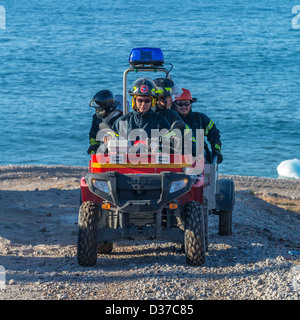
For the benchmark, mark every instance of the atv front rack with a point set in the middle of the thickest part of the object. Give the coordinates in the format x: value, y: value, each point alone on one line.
x: 143, y: 163
x: 139, y: 193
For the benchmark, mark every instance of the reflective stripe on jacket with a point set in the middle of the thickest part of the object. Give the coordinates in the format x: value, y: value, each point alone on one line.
x: 198, y: 120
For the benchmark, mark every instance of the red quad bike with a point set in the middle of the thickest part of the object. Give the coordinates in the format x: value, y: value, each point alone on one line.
x: 156, y: 197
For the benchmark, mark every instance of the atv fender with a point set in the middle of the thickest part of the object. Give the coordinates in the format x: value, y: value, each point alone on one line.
x: 225, y: 196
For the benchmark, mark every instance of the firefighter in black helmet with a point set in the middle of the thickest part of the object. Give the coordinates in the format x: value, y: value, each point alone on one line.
x: 165, y: 89
x: 106, y: 110
x: 143, y: 92
x: 143, y: 87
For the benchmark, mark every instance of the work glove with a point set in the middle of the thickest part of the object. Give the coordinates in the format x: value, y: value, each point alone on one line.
x: 93, y: 149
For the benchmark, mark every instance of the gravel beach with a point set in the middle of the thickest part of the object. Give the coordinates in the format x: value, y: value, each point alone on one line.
x: 38, y: 234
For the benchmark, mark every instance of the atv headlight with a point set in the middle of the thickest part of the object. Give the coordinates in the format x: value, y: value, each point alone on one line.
x: 177, y: 185
x: 101, y: 185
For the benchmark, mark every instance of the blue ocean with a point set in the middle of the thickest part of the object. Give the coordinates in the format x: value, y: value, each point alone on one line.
x: 240, y: 59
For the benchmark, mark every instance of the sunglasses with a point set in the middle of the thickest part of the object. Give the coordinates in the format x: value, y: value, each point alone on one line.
x: 143, y: 100
x: 181, y: 104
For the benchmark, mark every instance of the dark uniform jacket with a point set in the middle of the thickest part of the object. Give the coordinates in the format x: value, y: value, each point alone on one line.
x: 169, y: 114
x: 172, y: 116
x: 110, y: 119
x: 197, y: 120
x: 136, y: 120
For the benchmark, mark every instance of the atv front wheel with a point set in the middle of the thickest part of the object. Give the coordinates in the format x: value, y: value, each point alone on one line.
x: 194, y: 235
x: 89, y: 213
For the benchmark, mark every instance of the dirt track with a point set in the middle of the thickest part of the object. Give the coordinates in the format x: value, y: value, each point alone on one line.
x: 38, y: 233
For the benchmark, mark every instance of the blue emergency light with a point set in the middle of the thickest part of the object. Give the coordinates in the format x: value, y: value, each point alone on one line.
x: 146, y: 56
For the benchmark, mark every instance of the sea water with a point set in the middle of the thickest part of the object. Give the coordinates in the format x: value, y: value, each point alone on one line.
x: 240, y: 59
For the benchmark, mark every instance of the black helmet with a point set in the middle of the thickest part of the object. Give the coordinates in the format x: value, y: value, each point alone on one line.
x: 104, y: 103
x: 164, y: 87
x: 143, y: 87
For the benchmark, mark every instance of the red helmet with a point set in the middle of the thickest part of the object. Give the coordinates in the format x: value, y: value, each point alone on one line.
x: 186, y: 95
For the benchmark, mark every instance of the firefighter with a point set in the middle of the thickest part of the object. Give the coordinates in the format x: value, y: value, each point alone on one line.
x: 198, y: 120
x: 165, y: 89
x: 106, y: 110
x: 143, y: 92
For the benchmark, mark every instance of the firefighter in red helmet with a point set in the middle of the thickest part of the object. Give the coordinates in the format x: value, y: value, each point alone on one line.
x: 198, y: 120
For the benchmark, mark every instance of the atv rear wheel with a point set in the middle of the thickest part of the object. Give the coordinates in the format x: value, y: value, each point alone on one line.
x: 225, y: 223
x: 89, y: 213
x: 194, y: 235
x: 206, y: 213
x: 224, y: 205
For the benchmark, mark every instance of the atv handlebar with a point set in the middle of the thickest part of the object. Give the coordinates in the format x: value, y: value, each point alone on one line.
x: 215, y: 160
